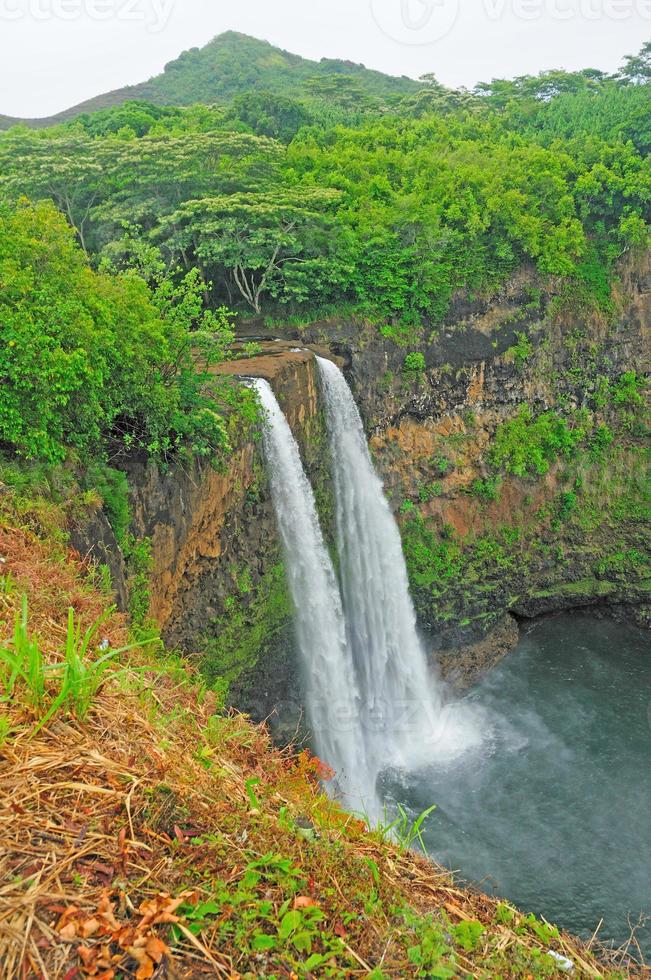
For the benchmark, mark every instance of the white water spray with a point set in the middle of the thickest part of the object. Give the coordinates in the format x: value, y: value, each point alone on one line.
x: 331, y: 693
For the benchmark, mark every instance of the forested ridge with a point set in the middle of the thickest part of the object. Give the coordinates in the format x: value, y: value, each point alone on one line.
x: 295, y: 207
x: 233, y: 64
x: 133, y: 237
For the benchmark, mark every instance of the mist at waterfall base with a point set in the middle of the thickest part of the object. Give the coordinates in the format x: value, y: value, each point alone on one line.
x: 553, y: 812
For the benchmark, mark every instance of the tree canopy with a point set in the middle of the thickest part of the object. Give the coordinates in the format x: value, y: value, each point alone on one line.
x: 95, y: 362
x: 335, y: 193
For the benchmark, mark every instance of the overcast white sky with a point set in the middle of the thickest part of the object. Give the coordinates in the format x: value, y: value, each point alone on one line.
x: 55, y: 53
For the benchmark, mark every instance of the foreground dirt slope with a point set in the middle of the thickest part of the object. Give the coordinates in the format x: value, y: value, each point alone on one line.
x: 162, y: 838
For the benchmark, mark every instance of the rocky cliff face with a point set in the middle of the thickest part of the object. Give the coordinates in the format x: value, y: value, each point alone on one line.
x: 515, y: 459
x: 218, y: 588
x: 513, y: 451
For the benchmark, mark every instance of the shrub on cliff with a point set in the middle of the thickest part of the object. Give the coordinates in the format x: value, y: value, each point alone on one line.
x: 414, y: 363
x: 526, y: 446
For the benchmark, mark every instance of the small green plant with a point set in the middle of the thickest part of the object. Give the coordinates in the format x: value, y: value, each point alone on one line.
x: 251, y: 349
x: 543, y: 930
x: 505, y: 914
x: 405, y: 830
x: 23, y: 664
x: 521, y: 351
x: 488, y: 489
x: 103, y: 580
x: 600, y: 442
x: 441, y: 464
x: 601, y: 392
x: 113, y: 489
x: 245, y: 582
x: 5, y: 729
x: 430, y: 954
x: 429, y: 491
x: 81, y: 678
x: 414, y: 363
x: 625, y: 392
x: 69, y: 685
x: 139, y: 564
x: 7, y: 584
x: 467, y: 934
x: 567, y: 504
x: 250, y: 792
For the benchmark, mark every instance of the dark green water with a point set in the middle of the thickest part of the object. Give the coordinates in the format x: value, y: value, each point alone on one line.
x: 554, y: 811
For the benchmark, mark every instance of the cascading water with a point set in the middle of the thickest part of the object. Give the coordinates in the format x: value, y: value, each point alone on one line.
x: 372, y: 702
x: 402, y: 717
x: 331, y: 694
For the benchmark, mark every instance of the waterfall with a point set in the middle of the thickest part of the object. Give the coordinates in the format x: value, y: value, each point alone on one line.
x: 371, y: 699
x: 331, y: 694
x: 402, y: 718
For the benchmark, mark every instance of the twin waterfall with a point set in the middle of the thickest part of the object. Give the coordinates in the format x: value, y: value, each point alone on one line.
x: 370, y: 698
x: 329, y: 675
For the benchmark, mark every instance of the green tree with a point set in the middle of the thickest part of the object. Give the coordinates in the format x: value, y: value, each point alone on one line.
x: 267, y: 243
x: 101, y: 184
x: 637, y: 68
x: 68, y: 169
x: 270, y: 115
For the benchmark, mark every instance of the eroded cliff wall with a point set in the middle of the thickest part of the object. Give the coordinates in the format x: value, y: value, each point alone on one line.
x: 515, y: 454
x: 218, y: 588
x: 516, y: 459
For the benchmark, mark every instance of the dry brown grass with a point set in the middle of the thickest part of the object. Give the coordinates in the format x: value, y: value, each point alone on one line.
x: 107, y: 828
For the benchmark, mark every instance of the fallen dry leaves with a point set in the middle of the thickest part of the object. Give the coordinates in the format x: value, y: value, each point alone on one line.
x: 117, y: 943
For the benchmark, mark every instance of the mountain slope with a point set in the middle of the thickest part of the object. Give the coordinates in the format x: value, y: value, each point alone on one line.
x: 232, y: 64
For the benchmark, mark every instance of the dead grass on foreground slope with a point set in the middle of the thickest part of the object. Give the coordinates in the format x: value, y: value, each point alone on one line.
x: 163, y: 838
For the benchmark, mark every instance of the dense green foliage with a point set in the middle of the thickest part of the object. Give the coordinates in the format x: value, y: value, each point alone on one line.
x: 442, y: 204
x: 526, y: 445
x: 99, y: 363
x: 326, y: 187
